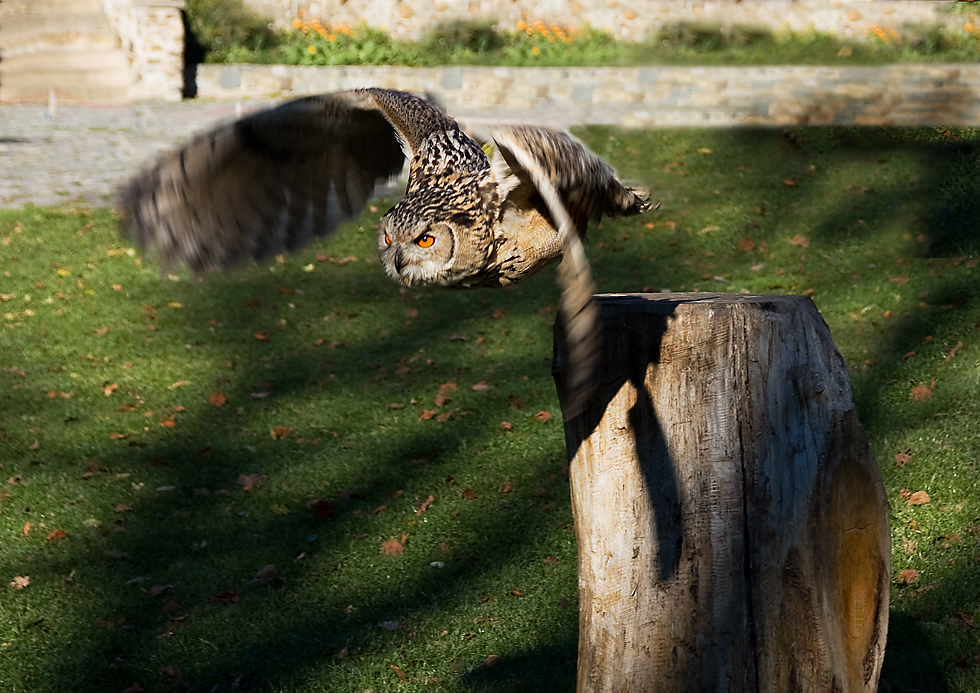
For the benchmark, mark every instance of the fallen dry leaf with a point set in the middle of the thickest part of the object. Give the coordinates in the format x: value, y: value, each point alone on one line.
x: 249, y: 482
x: 56, y: 535
x: 134, y: 688
x: 268, y: 571
x: 217, y: 399
x: 27, y: 529
x: 109, y: 389
x: 123, y: 507
x: 543, y: 416
x: 908, y: 576
x: 921, y: 393
x: 168, y: 422
x: 427, y: 414
x: 952, y: 352
x: 401, y: 674
x: 226, y: 597
x: 918, y: 498
x: 903, y: 458
x: 280, y: 432
x: 746, y: 245
x: 20, y: 582
x: 425, y: 505
x: 800, y: 240
x: 393, y: 547
x: 469, y: 494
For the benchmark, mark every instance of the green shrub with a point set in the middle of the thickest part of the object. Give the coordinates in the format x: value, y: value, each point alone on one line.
x: 230, y: 31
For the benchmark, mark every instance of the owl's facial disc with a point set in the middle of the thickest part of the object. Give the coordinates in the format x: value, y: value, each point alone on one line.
x: 419, y: 253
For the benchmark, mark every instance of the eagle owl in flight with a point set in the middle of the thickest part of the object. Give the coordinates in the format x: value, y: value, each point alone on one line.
x: 277, y: 179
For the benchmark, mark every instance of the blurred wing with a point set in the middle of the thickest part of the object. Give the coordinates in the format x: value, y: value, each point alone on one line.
x: 587, y: 185
x: 576, y: 186
x: 275, y: 180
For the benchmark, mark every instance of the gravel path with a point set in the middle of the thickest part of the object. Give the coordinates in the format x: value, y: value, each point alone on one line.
x: 83, y: 153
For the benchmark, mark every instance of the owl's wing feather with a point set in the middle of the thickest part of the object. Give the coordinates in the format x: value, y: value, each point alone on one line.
x: 576, y: 187
x: 274, y: 180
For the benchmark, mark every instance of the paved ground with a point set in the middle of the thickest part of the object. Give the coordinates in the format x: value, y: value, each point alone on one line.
x: 82, y: 153
x: 74, y: 153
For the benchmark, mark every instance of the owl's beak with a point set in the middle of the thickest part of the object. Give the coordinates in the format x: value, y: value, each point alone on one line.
x: 399, y: 260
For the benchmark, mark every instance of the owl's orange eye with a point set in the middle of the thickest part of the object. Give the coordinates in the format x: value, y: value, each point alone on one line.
x: 387, y: 240
x: 425, y: 241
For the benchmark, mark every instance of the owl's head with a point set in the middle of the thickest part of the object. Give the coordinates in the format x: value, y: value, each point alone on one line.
x: 422, y: 244
x: 420, y: 253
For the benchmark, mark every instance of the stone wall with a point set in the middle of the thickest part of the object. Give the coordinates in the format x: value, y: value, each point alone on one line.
x: 929, y: 94
x: 152, y: 33
x: 628, y: 19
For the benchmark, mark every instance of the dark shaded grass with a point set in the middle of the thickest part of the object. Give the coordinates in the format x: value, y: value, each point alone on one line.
x: 889, y: 219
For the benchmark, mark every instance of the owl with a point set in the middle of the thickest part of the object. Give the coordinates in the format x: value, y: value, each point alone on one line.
x: 275, y: 180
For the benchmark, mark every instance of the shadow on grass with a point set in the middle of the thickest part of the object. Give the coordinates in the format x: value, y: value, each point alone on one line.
x: 316, y: 624
x: 224, y: 633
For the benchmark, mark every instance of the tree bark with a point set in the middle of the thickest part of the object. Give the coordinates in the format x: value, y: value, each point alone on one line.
x: 731, y: 521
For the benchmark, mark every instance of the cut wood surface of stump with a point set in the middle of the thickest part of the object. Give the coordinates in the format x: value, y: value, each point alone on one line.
x: 731, y: 521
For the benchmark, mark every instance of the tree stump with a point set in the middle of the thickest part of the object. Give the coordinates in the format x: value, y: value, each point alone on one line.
x: 731, y: 521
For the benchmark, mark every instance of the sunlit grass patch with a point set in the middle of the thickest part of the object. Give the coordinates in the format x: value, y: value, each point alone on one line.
x: 397, y: 455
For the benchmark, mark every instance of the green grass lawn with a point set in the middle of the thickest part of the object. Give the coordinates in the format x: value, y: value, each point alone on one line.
x: 397, y: 455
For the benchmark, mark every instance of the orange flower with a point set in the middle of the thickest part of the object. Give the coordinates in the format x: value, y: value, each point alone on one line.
x: 331, y: 37
x: 297, y: 23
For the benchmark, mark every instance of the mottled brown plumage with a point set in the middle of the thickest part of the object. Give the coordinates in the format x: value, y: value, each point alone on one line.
x: 275, y: 180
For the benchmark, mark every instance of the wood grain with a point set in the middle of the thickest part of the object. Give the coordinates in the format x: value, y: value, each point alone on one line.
x: 731, y: 520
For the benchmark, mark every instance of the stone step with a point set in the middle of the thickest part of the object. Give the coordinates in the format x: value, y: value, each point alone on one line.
x: 71, y: 57
x: 63, y: 77
x: 65, y: 45
x: 77, y: 75
x: 90, y: 94
x: 50, y: 7
x: 29, y: 34
x: 36, y: 93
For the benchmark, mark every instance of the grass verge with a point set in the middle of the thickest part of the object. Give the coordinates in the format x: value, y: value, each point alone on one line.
x: 397, y: 455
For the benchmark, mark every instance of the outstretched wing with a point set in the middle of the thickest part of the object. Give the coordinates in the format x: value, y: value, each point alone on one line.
x: 576, y: 186
x: 275, y: 180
